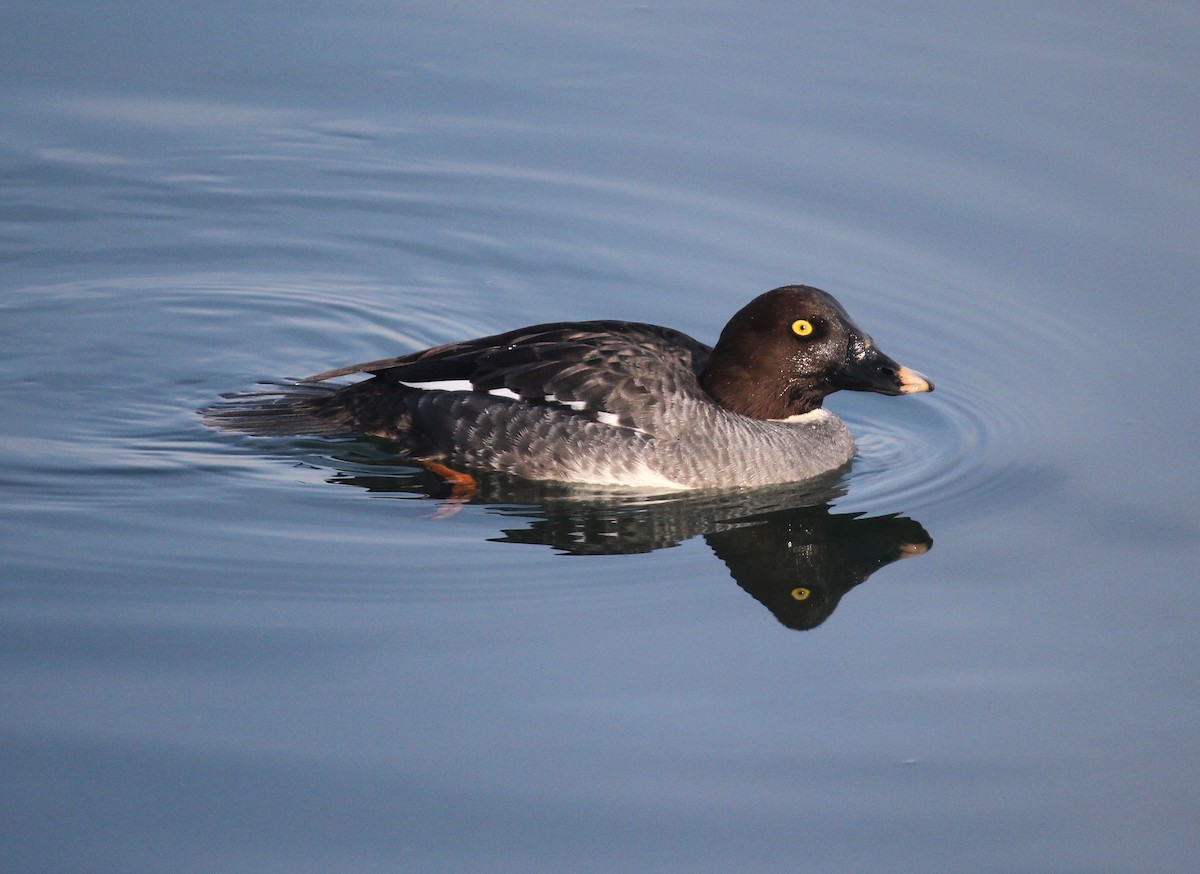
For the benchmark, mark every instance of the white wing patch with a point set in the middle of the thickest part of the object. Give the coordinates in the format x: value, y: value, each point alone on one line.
x: 459, y: 385
x: 442, y: 385
x: 577, y: 406
x: 602, y: 416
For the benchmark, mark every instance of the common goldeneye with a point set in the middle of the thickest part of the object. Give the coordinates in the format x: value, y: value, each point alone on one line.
x: 607, y: 402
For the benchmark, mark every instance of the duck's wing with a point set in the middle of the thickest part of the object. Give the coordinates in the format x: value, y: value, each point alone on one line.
x: 617, y: 373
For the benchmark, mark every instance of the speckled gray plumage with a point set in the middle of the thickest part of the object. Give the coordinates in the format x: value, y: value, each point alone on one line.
x: 700, y: 444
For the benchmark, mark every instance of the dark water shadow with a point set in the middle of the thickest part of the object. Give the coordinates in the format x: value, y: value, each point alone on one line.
x: 785, y: 546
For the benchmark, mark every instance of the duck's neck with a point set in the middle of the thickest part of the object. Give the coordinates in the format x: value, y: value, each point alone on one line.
x: 749, y: 392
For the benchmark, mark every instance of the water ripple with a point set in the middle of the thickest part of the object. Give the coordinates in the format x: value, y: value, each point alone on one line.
x: 978, y: 430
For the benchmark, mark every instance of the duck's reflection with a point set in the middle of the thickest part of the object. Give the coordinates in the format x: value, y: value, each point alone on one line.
x: 784, y: 546
x: 798, y: 563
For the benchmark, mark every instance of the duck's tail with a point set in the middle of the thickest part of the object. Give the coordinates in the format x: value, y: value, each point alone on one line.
x: 293, y: 408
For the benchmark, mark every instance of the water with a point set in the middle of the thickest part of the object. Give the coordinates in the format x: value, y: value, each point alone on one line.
x: 244, y: 655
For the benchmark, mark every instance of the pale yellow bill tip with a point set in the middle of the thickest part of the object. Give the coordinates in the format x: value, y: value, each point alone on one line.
x: 912, y: 382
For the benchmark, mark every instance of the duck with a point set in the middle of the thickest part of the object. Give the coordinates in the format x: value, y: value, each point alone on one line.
x: 606, y: 403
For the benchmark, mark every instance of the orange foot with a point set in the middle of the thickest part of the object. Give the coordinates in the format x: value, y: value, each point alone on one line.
x: 462, y: 488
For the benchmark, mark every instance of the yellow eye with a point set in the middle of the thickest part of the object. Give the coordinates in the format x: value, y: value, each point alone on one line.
x: 801, y: 594
x: 802, y: 327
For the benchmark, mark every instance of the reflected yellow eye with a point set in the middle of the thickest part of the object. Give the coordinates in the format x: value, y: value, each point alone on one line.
x: 801, y: 594
x: 802, y: 327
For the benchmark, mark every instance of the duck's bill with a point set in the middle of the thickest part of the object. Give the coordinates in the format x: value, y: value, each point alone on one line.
x: 871, y: 370
x: 912, y: 382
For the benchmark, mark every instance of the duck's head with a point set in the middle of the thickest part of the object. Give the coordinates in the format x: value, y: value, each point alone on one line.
x: 783, y: 352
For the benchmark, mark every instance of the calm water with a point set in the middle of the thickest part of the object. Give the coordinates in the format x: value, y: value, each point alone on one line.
x: 228, y: 654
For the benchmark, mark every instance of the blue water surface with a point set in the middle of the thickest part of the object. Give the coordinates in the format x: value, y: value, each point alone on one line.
x: 237, y: 654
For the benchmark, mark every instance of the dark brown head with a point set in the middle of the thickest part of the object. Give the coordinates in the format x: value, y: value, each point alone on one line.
x: 783, y: 352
